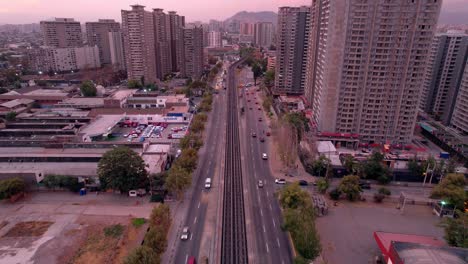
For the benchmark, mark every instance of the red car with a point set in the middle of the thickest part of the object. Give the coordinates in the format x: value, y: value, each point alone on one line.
x: 268, y: 134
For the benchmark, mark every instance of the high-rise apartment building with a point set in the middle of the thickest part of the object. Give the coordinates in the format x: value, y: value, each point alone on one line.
x: 247, y: 28
x: 176, y: 25
x: 215, y: 25
x: 97, y: 33
x: 366, y: 65
x: 460, y: 113
x: 46, y: 58
x: 233, y: 26
x: 117, y: 50
x: 214, y: 39
x: 263, y: 34
x: 62, y: 33
x: 138, y: 38
x: 193, y: 52
x: 447, y: 59
x: 162, y: 43
x: 291, y: 50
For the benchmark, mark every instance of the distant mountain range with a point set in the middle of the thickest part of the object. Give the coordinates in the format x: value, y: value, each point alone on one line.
x: 263, y: 16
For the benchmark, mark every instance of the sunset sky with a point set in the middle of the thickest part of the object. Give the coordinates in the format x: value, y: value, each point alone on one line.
x: 32, y: 11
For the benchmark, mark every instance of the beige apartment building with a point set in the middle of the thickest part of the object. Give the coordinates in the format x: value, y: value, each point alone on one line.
x: 263, y: 34
x: 366, y: 65
x: 139, y: 43
x: 117, y: 50
x: 62, y: 33
x: 97, y: 33
x: 193, y: 52
x: 291, y: 50
x: 460, y: 113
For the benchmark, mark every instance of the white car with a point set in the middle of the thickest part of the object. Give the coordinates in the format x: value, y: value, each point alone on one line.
x: 264, y: 156
x: 280, y: 181
x: 185, y: 233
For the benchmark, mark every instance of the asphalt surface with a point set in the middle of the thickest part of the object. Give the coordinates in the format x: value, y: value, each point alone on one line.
x: 209, y: 161
x: 271, y: 243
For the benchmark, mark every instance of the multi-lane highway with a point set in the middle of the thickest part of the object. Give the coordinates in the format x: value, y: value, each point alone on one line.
x: 201, y: 217
x: 271, y: 243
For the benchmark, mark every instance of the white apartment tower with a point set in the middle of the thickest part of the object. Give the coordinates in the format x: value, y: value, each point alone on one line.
x: 447, y: 59
x: 366, y: 65
x: 214, y: 39
x: 62, y: 33
x: 97, y: 33
x: 291, y: 50
x: 139, y: 43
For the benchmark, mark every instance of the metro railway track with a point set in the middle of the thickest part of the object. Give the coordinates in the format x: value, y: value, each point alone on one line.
x: 234, y: 240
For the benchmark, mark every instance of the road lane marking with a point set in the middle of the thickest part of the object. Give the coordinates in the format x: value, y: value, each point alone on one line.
x: 261, y: 212
x: 271, y: 208
x: 277, y: 241
x: 267, y: 193
x: 198, y: 205
x: 186, y: 258
x: 268, y: 249
x: 274, y: 224
x: 264, y: 230
x: 191, y: 235
x: 195, y: 221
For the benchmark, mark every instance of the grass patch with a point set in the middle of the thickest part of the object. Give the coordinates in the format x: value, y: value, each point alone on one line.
x: 113, y: 230
x: 137, y: 222
x: 29, y: 229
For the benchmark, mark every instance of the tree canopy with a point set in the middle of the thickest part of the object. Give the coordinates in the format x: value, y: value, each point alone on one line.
x: 292, y: 196
x: 122, y: 169
x: 178, y: 180
x: 349, y: 185
x: 88, y: 89
x: 142, y: 255
x: 374, y: 168
x: 451, y: 189
x: 11, y: 187
x: 134, y: 84
x: 257, y: 72
x: 456, y: 230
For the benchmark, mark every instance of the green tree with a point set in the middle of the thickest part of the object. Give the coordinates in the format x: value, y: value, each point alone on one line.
x: 197, y: 125
x: 88, y: 89
x: 322, y: 185
x: 349, y: 185
x: 456, y: 230
x: 292, y: 196
x: 3, y: 90
x: 178, y: 180
x: 191, y: 140
x: 451, y: 189
x: 156, y: 239
x: 320, y: 165
x: 161, y: 216
x: 10, y: 116
x: 134, y: 84
x: 142, y: 255
x: 188, y: 159
x: 51, y: 181
x: 122, y: 169
x: 374, y: 168
x: 11, y: 187
x: 349, y: 163
x: 269, y: 79
x: 267, y: 102
x: 257, y: 72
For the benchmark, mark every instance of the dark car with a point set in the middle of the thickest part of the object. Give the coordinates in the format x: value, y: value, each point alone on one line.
x: 364, y: 185
x: 303, y: 183
x: 254, y: 134
x: 262, y: 139
x: 260, y: 119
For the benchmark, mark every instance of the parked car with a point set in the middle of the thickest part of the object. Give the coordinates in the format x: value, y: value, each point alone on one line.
x: 364, y: 185
x: 303, y: 183
x: 185, y: 233
x: 280, y: 181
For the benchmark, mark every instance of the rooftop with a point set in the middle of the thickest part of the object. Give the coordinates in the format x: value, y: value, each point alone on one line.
x: 412, y: 253
x: 101, y: 125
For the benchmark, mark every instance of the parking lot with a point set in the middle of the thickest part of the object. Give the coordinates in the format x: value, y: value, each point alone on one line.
x: 347, y: 231
x: 153, y: 134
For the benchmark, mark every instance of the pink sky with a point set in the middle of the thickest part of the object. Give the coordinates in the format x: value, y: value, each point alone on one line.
x: 30, y: 11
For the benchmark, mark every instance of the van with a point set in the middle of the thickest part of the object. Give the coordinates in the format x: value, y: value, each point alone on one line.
x: 208, y: 183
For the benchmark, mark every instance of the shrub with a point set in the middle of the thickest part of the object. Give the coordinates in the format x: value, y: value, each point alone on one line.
x: 335, y: 194
x: 137, y: 222
x: 11, y: 187
x: 142, y: 255
x: 384, y: 191
x: 322, y: 185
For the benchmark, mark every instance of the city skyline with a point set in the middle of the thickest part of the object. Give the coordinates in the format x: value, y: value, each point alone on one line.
x: 32, y: 11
